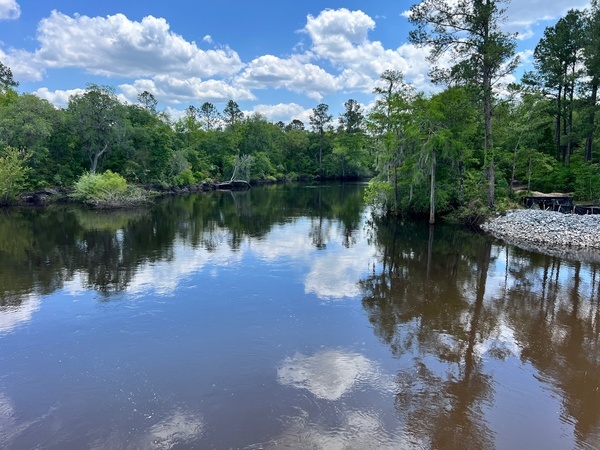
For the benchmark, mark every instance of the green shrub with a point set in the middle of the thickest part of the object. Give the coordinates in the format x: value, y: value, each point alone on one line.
x: 185, y: 178
x: 107, y: 190
x: 379, y: 194
x: 471, y: 214
x: 13, y: 173
x: 261, y: 166
x: 92, y: 186
x: 587, y: 182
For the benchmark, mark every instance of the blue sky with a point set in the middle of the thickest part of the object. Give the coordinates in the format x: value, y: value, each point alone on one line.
x: 278, y: 58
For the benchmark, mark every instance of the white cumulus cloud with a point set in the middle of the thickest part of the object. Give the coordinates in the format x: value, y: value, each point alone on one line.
x: 339, y: 57
x: 269, y: 71
x: 22, y: 64
x: 9, y: 9
x: 175, y: 90
x: 334, y: 32
x: 58, y: 97
x: 286, y: 112
x: 117, y: 46
x: 341, y: 37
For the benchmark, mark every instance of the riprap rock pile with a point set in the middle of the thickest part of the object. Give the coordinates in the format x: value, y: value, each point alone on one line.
x: 546, y: 229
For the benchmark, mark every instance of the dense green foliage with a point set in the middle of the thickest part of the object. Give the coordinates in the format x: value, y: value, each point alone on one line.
x: 441, y: 153
x: 470, y: 31
x: 12, y: 173
x: 96, y: 132
x: 432, y: 154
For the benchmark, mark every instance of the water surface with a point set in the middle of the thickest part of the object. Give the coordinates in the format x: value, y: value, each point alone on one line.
x: 286, y: 317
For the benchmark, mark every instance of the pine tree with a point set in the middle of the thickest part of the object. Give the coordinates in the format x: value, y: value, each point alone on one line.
x: 484, y: 54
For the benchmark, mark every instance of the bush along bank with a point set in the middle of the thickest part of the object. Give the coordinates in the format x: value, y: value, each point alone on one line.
x: 106, y: 191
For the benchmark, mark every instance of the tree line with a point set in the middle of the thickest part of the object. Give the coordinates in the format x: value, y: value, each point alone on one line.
x: 460, y: 151
x: 96, y: 132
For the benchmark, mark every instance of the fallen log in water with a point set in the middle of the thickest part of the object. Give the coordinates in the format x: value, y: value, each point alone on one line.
x: 235, y: 185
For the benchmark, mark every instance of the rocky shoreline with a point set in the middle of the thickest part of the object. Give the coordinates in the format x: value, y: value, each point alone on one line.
x: 565, y: 235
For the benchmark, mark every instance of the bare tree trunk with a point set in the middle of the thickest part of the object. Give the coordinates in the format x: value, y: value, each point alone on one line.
x: 564, y: 119
x: 557, y: 135
x: 321, y: 161
x: 491, y: 175
x: 96, y: 157
x: 235, y: 168
x: 461, y: 185
x: 514, y: 164
x: 529, y: 170
x: 590, y: 135
x: 321, y: 143
x: 396, y: 187
x: 569, y: 150
x: 432, y: 191
x: 487, y: 111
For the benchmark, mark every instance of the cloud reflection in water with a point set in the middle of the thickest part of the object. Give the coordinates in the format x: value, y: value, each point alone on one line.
x: 12, y: 316
x: 333, y: 375
x: 357, y: 430
x: 179, y: 427
x: 328, y: 374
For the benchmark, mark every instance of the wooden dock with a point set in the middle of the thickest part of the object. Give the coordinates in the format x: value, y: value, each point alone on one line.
x: 558, y: 202
x: 585, y: 210
x: 550, y: 202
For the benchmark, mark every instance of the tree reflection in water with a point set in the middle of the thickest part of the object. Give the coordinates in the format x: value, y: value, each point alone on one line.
x: 44, y: 249
x: 556, y: 318
x: 430, y: 303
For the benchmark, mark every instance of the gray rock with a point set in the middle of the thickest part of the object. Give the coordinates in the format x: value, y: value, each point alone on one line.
x: 549, y: 232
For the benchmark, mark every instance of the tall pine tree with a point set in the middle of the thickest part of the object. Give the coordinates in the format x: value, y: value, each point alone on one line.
x: 483, y: 53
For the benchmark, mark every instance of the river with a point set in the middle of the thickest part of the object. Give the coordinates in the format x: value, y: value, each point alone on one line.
x: 287, y: 317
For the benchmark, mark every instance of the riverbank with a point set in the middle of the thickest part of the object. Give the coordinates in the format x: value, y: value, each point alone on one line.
x: 47, y: 196
x: 62, y: 195
x: 567, y: 235
x: 52, y: 195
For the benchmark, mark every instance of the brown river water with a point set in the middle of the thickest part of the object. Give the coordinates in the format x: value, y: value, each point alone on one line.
x: 287, y: 317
